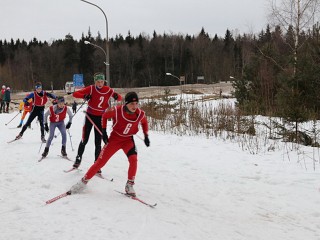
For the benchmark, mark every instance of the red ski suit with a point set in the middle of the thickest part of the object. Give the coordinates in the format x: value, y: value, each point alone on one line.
x: 97, y: 105
x: 125, y: 125
x: 99, y: 100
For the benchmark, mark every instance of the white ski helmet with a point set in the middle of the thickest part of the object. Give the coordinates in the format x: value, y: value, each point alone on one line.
x: 3, y: 87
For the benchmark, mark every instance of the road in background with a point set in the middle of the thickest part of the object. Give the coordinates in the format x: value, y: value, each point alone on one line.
x: 224, y: 89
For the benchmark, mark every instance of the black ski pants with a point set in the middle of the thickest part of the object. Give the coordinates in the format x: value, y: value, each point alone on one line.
x: 37, y: 111
x: 86, y: 129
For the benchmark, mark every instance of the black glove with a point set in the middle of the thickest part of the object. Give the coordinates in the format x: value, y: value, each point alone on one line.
x: 146, y: 140
x: 105, y: 136
x: 68, y: 125
x: 115, y: 96
x: 46, y: 128
x: 27, y: 103
x: 87, y: 97
x: 20, y: 111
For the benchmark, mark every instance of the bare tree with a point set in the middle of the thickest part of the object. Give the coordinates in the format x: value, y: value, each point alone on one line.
x: 295, y: 16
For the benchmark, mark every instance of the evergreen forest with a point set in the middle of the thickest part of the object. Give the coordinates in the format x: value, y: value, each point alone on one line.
x: 270, y: 76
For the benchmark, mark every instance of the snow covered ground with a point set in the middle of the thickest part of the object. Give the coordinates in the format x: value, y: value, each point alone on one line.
x: 204, y: 188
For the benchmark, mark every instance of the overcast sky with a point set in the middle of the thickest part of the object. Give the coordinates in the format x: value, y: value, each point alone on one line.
x: 53, y: 19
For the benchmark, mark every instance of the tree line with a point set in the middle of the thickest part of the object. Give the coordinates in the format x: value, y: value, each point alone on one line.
x: 269, y: 77
x: 134, y: 61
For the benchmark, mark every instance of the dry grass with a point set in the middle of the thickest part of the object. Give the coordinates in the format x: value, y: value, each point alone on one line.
x: 198, y: 115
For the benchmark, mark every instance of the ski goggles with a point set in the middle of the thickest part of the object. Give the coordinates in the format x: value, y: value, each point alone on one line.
x: 38, y: 87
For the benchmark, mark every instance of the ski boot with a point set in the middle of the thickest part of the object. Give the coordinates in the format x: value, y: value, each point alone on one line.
x: 45, y: 152
x: 63, y: 151
x: 77, y: 162
x: 129, y: 188
x: 43, y: 139
x: 79, y: 186
x: 19, y: 136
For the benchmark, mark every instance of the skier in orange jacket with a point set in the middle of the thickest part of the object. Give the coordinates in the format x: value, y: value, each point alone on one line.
x: 26, y: 109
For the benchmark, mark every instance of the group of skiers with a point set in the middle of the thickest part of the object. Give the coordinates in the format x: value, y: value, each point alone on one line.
x: 126, y: 119
x: 5, y: 99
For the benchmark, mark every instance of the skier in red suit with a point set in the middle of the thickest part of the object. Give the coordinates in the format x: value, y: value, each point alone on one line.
x: 126, y: 119
x: 39, y: 99
x: 98, y: 97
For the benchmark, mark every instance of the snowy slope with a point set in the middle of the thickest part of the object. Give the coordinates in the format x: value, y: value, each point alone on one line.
x: 205, y: 189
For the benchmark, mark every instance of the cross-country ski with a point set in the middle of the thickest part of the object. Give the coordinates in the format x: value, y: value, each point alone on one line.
x: 65, y: 157
x: 16, y: 139
x: 65, y: 194
x: 138, y: 199
x: 72, y: 169
x: 100, y: 175
x: 40, y: 159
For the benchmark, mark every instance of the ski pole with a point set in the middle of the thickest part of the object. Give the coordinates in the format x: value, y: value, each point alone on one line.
x: 12, y: 119
x: 42, y: 142
x: 80, y: 107
x: 15, y: 103
x: 140, y: 137
x: 95, y: 126
x: 57, y: 135
x: 70, y: 140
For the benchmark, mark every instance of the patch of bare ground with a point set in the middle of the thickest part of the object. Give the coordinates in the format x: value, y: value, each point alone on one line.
x: 210, y: 91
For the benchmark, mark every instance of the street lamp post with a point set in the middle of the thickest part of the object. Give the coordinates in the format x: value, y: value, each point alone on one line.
x: 170, y: 74
x: 107, y: 43
x: 106, y: 56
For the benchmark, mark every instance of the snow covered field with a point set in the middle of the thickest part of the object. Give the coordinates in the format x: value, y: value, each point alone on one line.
x: 204, y: 188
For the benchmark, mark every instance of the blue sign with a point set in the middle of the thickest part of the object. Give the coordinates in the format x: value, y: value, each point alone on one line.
x: 78, y: 80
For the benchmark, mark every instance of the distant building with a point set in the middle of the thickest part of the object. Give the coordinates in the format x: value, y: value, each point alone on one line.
x: 200, y: 79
